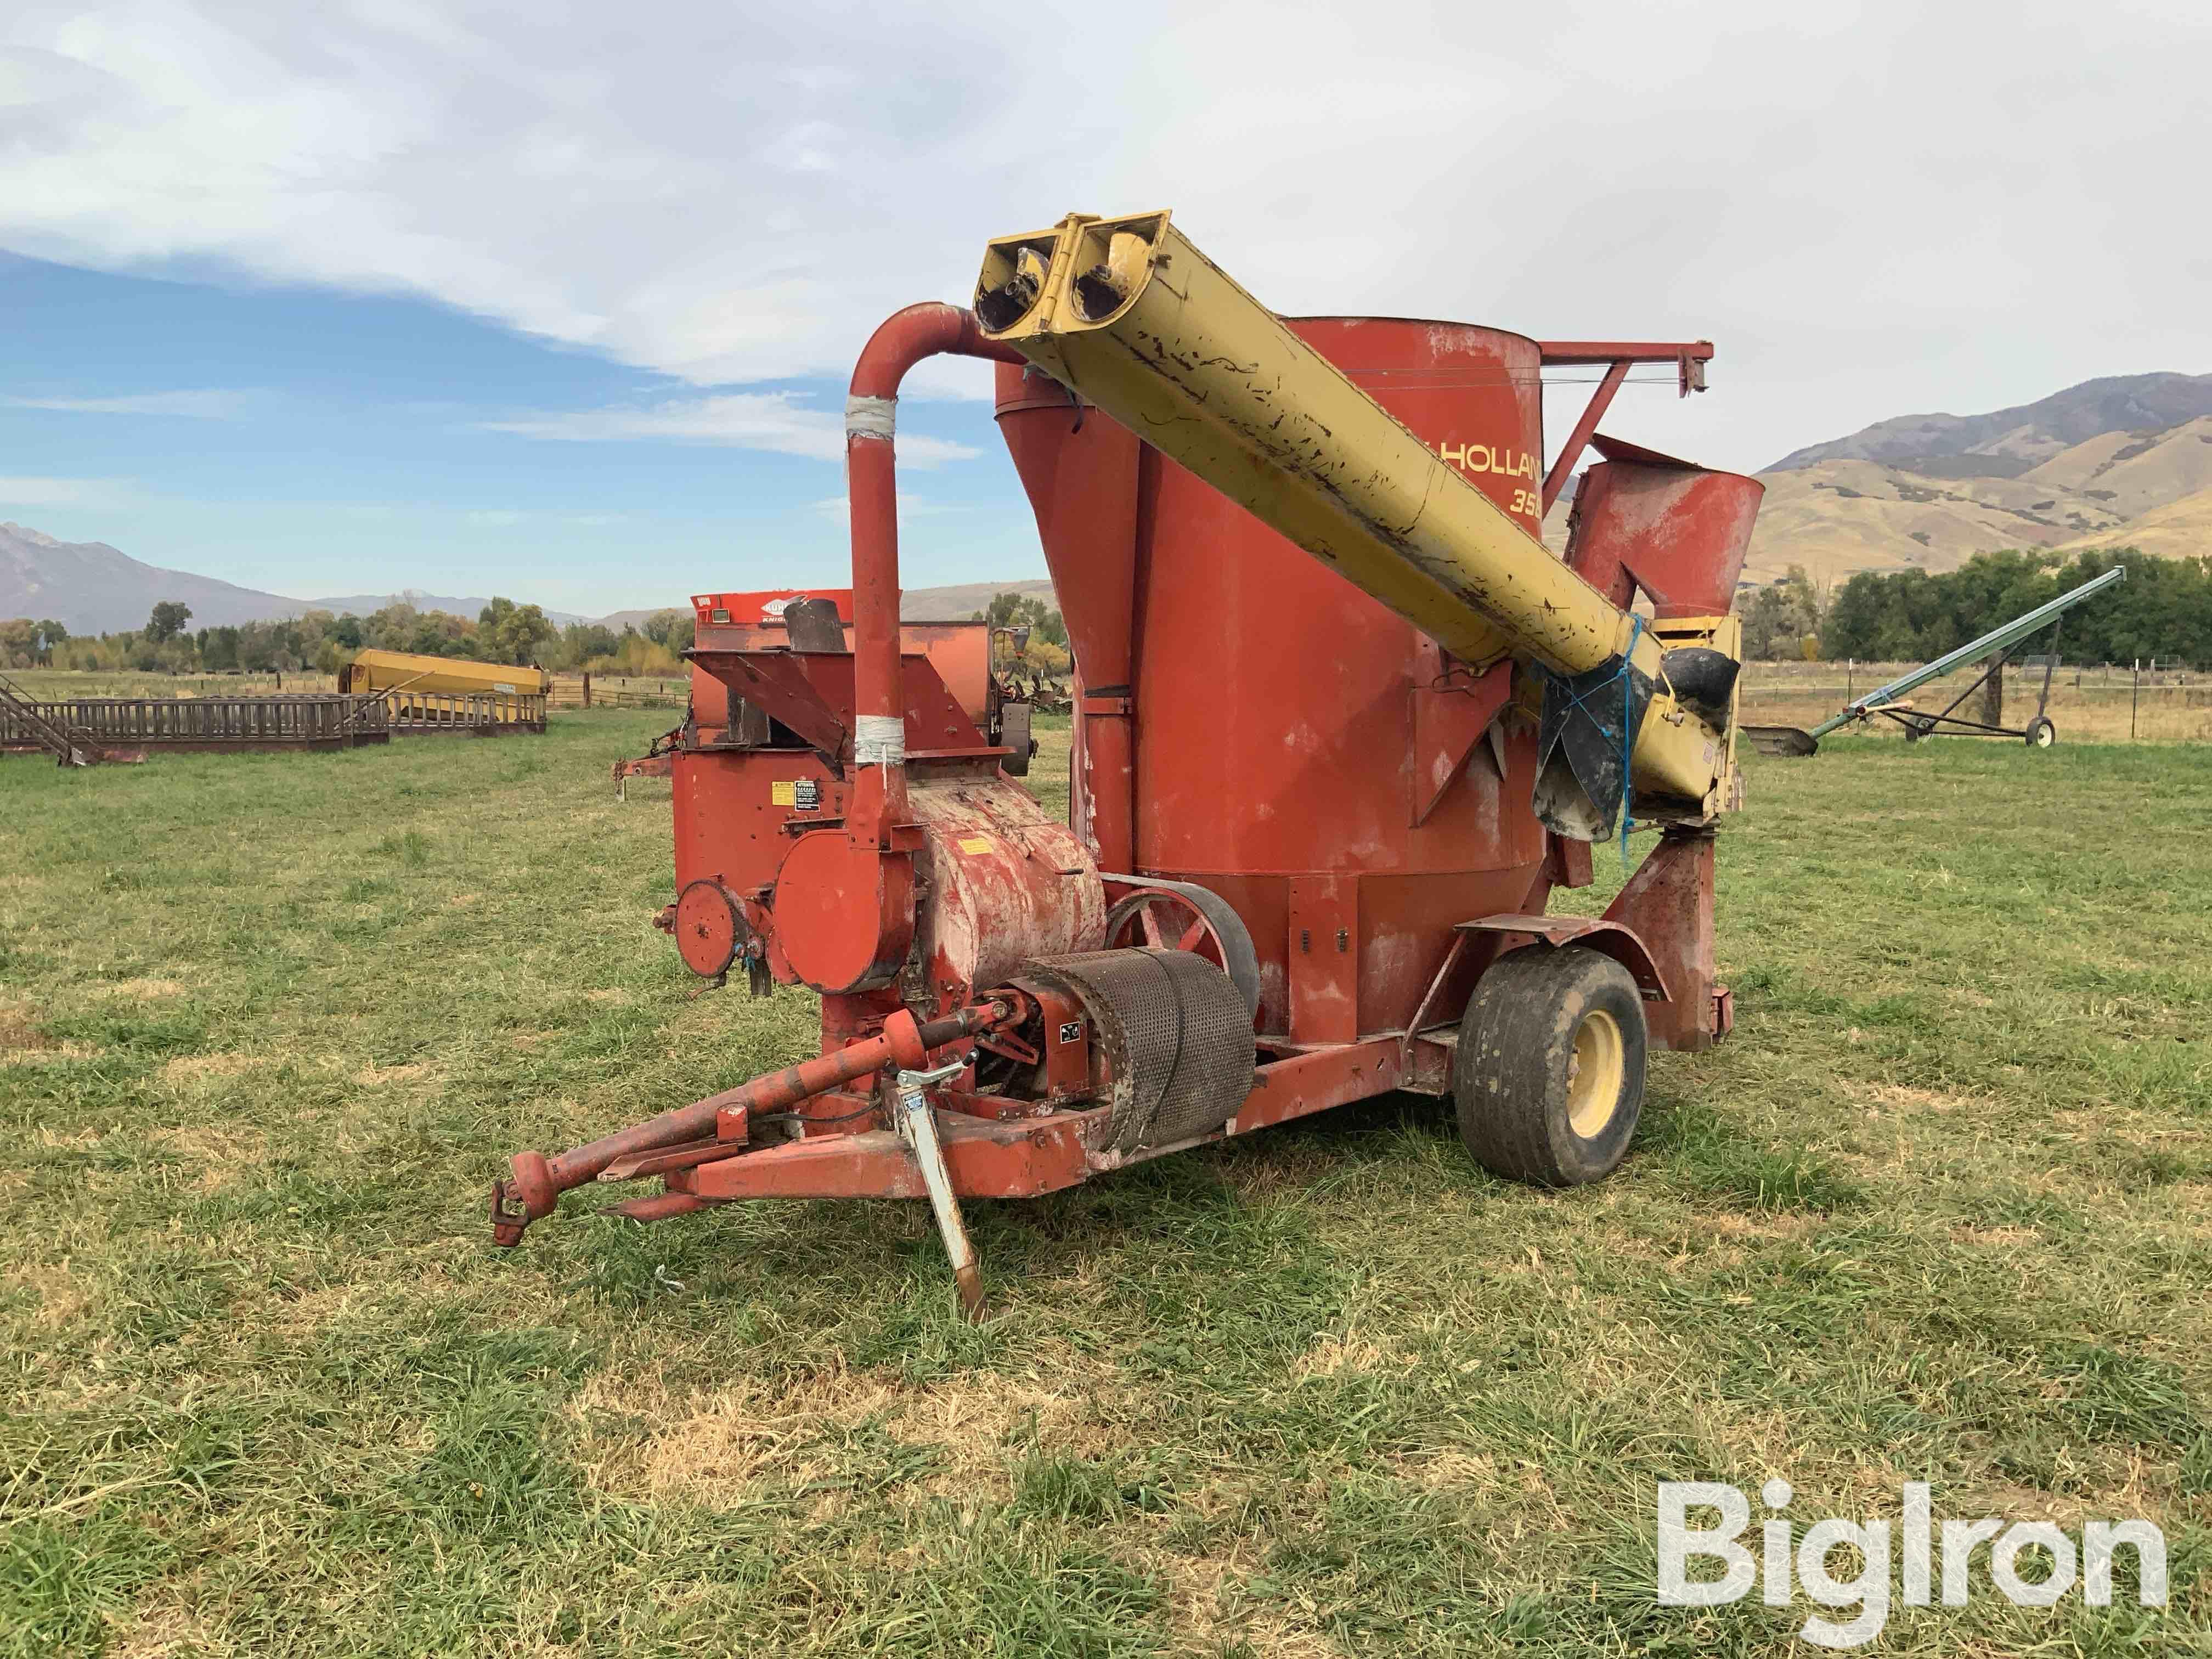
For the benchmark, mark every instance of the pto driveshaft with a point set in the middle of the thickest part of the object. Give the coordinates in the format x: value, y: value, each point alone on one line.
x: 533, y: 1190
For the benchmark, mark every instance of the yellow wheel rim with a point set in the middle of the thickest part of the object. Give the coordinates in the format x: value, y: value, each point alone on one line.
x: 1596, y: 1072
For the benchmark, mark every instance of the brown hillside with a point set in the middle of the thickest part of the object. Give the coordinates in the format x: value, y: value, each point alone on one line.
x: 1838, y: 518
x: 2180, y: 529
x: 2134, y: 472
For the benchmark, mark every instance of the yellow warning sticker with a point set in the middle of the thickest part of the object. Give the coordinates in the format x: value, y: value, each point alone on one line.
x: 976, y: 844
x: 783, y: 793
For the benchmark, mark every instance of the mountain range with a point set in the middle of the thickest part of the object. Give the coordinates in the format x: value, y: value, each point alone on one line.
x: 2122, y: 461
x: 2119, y: 462
x: 90, y: 587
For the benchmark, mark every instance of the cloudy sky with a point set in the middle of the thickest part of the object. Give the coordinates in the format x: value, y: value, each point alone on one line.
x: 558, y: 300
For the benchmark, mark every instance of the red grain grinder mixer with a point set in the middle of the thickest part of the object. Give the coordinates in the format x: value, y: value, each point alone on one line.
x: 1344, y: 724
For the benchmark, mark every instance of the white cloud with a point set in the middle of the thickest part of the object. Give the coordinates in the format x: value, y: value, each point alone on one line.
x: 1870, y: 207
x: 772, y: 421
x: 198, y: 405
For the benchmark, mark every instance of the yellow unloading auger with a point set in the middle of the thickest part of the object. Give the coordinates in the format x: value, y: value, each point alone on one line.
x: 1130, y: 315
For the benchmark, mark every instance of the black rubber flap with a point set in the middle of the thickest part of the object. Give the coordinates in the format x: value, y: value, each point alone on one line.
x: 1583, y: 739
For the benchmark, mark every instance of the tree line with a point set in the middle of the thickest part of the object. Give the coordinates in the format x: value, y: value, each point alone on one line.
x: 1045, y: 649
x: 2162, y: 611
x: 320, y: 641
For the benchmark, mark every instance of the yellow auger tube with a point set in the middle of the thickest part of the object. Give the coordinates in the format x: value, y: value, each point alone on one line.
x: 1129, y: 313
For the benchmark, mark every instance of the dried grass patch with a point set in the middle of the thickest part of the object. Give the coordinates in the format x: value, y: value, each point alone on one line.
x: 371, y: 1077
x: 1336, y: 1355
x: 713, y: 1448
x: 193, y: 1068
x: 61, y: 1296
x: 2000, y: 1237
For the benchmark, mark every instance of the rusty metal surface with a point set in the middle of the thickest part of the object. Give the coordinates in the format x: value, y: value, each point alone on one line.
x: 1679, y: 533
x: 1005, y: 882
x: 959, y: 651
x: 844, y: 915
x: 1669, y: 903
x: 1300, y: 1085
x: 1080, y: 469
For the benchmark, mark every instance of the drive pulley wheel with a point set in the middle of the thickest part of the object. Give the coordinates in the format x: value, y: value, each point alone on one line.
x: 1180, y: 915
x: 1549, y: 1077
x: 2041, y: 733
x: 709, y: 927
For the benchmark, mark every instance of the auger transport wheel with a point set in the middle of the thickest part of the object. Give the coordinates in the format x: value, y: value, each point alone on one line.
x: 2040, y: 734
x: 1549, y: 1075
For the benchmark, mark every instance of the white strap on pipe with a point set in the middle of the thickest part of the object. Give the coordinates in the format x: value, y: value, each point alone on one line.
x: 879, y: 740
x: 871, y: 418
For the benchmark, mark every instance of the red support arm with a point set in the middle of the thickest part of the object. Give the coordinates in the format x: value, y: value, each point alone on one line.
x: 1689, y: 357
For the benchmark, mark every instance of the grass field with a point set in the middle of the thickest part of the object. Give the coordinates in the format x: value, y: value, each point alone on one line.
x: 1940, y: 1210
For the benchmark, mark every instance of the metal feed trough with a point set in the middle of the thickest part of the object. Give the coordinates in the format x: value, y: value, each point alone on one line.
x: 79, y: 730
x: 1342, y: 726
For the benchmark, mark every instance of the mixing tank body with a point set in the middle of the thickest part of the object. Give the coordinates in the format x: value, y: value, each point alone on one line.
x: 1271, y: 732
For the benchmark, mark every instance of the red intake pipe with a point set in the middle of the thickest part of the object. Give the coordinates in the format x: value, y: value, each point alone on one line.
x: 871, y: 487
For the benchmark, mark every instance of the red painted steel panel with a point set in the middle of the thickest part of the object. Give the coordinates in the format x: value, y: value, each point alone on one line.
x: 1274, y: 712
x: 959, y: 651
x: 1678, y: 532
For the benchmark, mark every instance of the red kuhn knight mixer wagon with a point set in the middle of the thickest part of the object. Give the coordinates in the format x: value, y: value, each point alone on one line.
x: 1343, y: 725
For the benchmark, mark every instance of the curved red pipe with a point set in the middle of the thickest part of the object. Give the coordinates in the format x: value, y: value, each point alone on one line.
x: 904, y: 338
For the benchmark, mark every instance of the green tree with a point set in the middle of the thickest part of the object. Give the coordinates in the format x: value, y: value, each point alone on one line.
x: 580, y: 642
x: 19, y: 643
x: 676, y: 631
x: 507, y: 632
x: 2162, y: 610
x: 1781, y: 618
x: 50, y: 634
x: 1026, y: 610
x: 168, y: 621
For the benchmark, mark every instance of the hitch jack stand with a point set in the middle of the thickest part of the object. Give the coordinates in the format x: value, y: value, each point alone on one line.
x: 916, y: 1121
